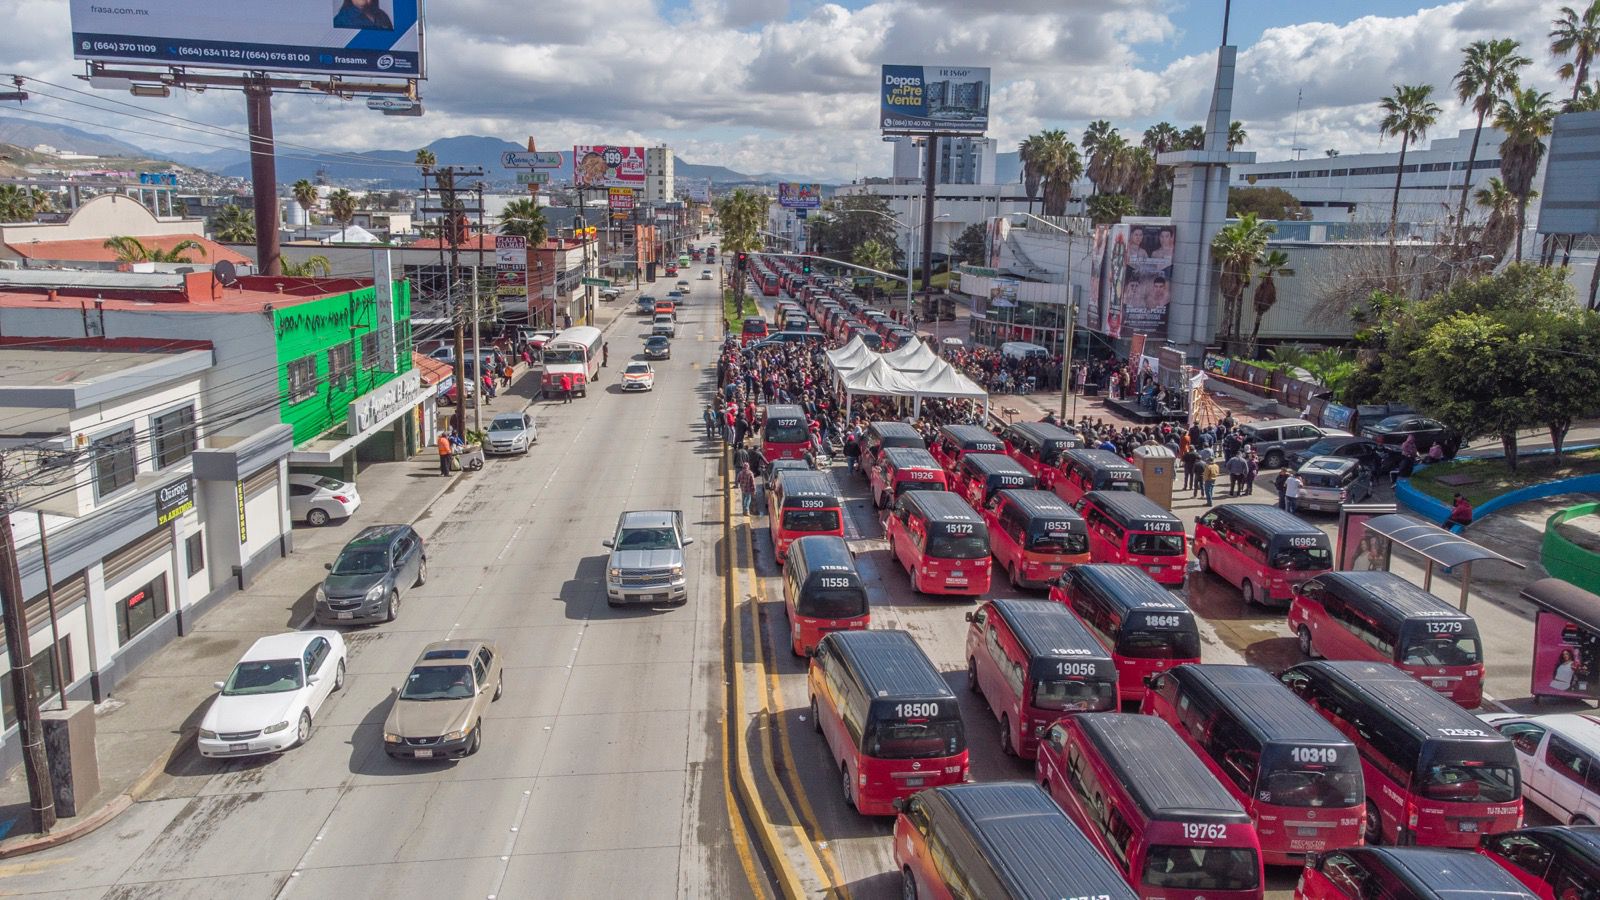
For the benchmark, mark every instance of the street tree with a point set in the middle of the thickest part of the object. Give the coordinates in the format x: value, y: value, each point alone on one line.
x: 1237, y: 135
x: 342, y: 206
x: 1527, y: 117
x: 1576, y: 34
x: 1271, y: 203
x: 131, y: 249
x: 233, y: 224
x: 1028, y: 154
x: 305, y: 194
x: 1489, y: 70
x: 1408, y: 113
x: 971, y: 246
x: 317, y: 266
x: 523, y: 218
x: 1108, y: 209
x: 873, y: 255
x: 1060, y: 165
x: 1501, y: 224
x: 1269, y: 265
x: 1235, y: 250
x: 850, y: 222
x: 426, y: 160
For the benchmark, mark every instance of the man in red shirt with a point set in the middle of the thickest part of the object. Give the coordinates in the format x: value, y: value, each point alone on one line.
x: 566, y: 387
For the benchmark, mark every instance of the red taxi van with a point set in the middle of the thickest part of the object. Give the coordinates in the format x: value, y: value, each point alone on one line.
x: 1261, y: 550
x: 1434, y: 774
x: 822, y: 591
x: 1031, y: 661
x: 1083, y: 471
x: 901, y: 469
x: 1381, y: 617
x: 891, y: 723
x: 802, y: 503
x: 1554, y: 863
x: 1145, y: 626
x: 754, y: 329
x: 1130, y: 528
x: 882, y: 435
x: 1407, y: 873
x: 998, y: 841
x: 784, y: 432
x: 1155, y: 811
x: 1035, y: 536
x: 982, y: 475
x: 956, y: 441
x: 1038, y: 446
x: 1297, y: 776
x: 941, y: 542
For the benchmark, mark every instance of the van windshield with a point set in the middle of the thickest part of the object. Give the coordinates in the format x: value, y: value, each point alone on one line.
x: 958, y: 546
x: 1107, y: 484
x: 1059, y: 542
x: 1156, y: 544
x: 570, y: 356
x: 794, y: 432
x: 1201, y: 868
x: 1302, y: 559
x: 915, y: 740
x: 1469, y: 781
x: 1142, y: 643
x: 833, y: 603
x: 1456, y: 648
x: 910, y: 485
x: 1285, y: 782
x: 811, y: 520
x: 1075, y: 696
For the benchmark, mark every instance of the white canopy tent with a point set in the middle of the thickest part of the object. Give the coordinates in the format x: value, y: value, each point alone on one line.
x: 942, y: 380
x: 853, y: 355
x: 875, y: 378
x: 913, y: 356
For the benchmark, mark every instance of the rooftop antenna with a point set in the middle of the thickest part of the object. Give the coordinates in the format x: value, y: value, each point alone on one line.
x: 1294, y: 142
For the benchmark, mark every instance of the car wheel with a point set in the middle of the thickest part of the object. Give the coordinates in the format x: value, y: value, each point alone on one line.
x: 422, y: 573
x: 972, y: 676
x: 476, y: 743
x: 816, y: 720
x: 908, y: 884
x: 848, y: 787
x: 1203, y: 561
x: 1273, y: 460
x: 316, y: 518
x: 391, y: 611
x: 303, y: 733
x: 1005, y: 736
x: 499, y: 688
x: 1011, y: 576
x: 1373, y: 835
x: 1306, y: 649
x: 338, y: 677
x: 1248, y: 590
x: 1580, y: 821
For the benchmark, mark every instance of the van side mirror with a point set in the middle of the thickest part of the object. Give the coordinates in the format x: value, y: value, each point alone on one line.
x: 968, y: 615
x: 687, y: 541
x: 328, y: 566
x: 608, y: 542
x: 899, y: 804
x: 1150, y: 680
x: 219, y: 685
x: 1197, y: 519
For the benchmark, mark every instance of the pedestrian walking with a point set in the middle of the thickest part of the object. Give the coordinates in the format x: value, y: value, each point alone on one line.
x: 747, y: 487
x: 1209, y: 479
x: 1254, y: 463
x: 445, y: 453
x: 1291, y: 492
x: 505, y: 374
x: 566, y: 387
x: 605, y: 354
x: 710, y: 418
x: 852, y: 452
x: 1278, y: 485
x: 1238, y: 468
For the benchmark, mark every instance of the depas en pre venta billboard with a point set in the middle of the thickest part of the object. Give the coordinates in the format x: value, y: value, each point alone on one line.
x: 382, y: 38
x: 608, y: 166
x: 942, y: 99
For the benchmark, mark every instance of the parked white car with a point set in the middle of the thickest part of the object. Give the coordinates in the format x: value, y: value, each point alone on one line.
x: 1559, y: 755
x: 273, y: 695
x: 638, y: 376
x: 315, y: 499
x: 511, y: 433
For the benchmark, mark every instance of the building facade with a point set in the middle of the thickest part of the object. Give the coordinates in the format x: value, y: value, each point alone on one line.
x: 659, y: 182
x: 962, y: 160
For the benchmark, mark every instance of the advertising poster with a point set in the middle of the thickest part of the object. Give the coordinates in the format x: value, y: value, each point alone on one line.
x: 941, y: 99
x: 621, y: 200
x: 511, y: 268
x: 1113, y: 275
x: 607, y: 166
x: 336, y: 37
x: 1564, y: 659
x: 696, y: 189
x: 1089, y: 314
x: 1358, y: 549
x: 999, y: 230
x: 799, y: 195
x: 1146, y: 290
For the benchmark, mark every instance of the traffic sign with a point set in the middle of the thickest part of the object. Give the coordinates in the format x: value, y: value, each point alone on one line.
x: 388, y: 104
x: 529, y: 159
x: 533, y: 178
x: 863, y: 280
x: 596, y: 282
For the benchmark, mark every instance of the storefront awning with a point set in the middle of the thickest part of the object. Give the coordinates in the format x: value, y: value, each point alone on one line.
x: 1566, y: 600
x: 375, y: 410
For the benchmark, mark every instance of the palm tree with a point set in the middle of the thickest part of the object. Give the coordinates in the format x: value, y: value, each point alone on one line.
x: 1160, y: 137
x: 1526, y: 116
x: 1093, y: 137
x: 873, y: 255
x: 1058, y: 165
x: 1502, y: 221
x: 1408, y: 113
x: 741, y: 215
x: 233, y: 225
x: 426, y: 160
x: 1269, y: 265
x: 1237, y: 135
x: 1585, y: 99
x: 524, y: 218
x: 131, y: 249
x: 342, y: 206
x: 1108, y: 209
x: 1488, y: 70
x: 311, y: 267
x: 1234, y: 250
x: 1028, y: 153
x: 1577, y: 35
x: 305, y: 194
x: 1193, y: 138
x: 16, y: 205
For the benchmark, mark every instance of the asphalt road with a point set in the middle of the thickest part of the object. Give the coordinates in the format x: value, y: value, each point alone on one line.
x: 600, y: 774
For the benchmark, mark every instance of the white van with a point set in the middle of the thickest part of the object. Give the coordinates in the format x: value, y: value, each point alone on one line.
x: 1559, y: 755
x: 1022, y: 350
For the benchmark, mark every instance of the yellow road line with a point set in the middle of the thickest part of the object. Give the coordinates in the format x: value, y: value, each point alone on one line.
x: 835, y: 873
x: 33, y: 866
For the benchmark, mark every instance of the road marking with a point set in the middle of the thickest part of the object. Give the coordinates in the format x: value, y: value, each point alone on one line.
x: 33, y: 867
x: 511, y: 541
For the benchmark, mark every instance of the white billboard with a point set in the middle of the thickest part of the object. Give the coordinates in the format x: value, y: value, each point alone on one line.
x: 336, y: 37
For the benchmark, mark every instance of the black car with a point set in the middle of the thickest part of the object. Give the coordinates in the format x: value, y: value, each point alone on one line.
x: 658, y: 346
x: 1393, y: 431
x: 365, y: 582
x: 1374, y: 456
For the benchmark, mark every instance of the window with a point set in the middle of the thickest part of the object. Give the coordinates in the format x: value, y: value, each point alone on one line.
x: 141, y: 609
x: 302, y: 379
x: 1566, y: 760
x: 1523, y: 851
x: 341, y: 365
x: 115, y: 462
x: 369, y: 350
x: 174, y: 436
x: 44, y: 674
x: 194, y: 550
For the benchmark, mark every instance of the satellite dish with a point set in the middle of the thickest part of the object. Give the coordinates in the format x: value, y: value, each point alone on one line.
x: 226, y: 273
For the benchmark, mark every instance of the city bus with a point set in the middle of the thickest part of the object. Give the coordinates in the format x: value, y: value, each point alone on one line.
x: 956, y: 441
x: 1151, y: 807
x: 802, y: 503
x: 1088, y: 470
x: 1297, y: 776
x: 1261, y: 550
x: 822, y: 591
x: 1031, y: 661
x: 941, y: 542
x: 1130, y: 528
x: 891, y: 724
x: 1411, y: 873
x: 1038, y: 446
x: 785, y: 433
x: 1035, y: 536
x: 982, y: 475
x: 1145, y: 626
x: 998, y: 841
x: 1381, y: 617
x: 1434, y: 773
x: 902, y: 469
x: 573, y: 351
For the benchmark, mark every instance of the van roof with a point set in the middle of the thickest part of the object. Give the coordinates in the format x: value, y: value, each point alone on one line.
x: 1129, y: 505
x: 941, y: 506
x: 1403, y: 700
x: 994, y: 464
x: 1262, y: 703
x: 1129, y: 587
x: 889, y: 664
x: 814, y: 551
x: 1160, y: 772
x: 777, y: 410
x: 1043, y: 431
x: 1274, y: 423
x: 1047, y: 629
x: 1039, y: 504
x: 1270, y: 518
x: 894, y: 429
x: 808, y: 483
x: 1454, y: 874
x: 1105, y: 459
x: 1394, y: 595
x: 968, y: 433
x: 1031, y: 845
x: 911, y: 458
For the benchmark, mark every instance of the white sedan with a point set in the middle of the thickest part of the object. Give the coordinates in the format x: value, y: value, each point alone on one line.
x: 706, y: 275
x: 638, y: 376
x: 314, y: 499
x: 268, y: 703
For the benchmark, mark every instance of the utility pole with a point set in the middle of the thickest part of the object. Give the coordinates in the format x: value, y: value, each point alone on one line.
x: 263, y: 173
x: 24, y: 684
x: 931, y: 186
x: 477, y: 275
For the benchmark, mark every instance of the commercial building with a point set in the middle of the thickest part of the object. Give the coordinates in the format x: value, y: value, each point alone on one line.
x: 80, y: 239
x: 956, y: 206
x: 659, y: 183
x: 962, y: 160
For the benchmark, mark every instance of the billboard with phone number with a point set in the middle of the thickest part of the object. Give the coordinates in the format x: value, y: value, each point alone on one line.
x: 336, y: 37
x: 940, y: 99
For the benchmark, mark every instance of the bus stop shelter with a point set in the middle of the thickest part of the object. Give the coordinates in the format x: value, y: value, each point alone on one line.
x: 1436, y: 545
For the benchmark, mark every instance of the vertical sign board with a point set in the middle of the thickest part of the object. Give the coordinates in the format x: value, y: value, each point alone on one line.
x: 383, y: 293
x: 511, y: 270
x: 244, y: 533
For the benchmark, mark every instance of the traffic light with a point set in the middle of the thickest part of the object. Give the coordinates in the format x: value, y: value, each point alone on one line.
x: 805, y: 266
x: 743, y: 260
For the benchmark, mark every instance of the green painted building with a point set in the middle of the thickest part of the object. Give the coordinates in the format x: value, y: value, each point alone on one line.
x: 332, y: 351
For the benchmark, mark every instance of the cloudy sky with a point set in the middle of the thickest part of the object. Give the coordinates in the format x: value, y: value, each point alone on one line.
x: 790, y: 85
